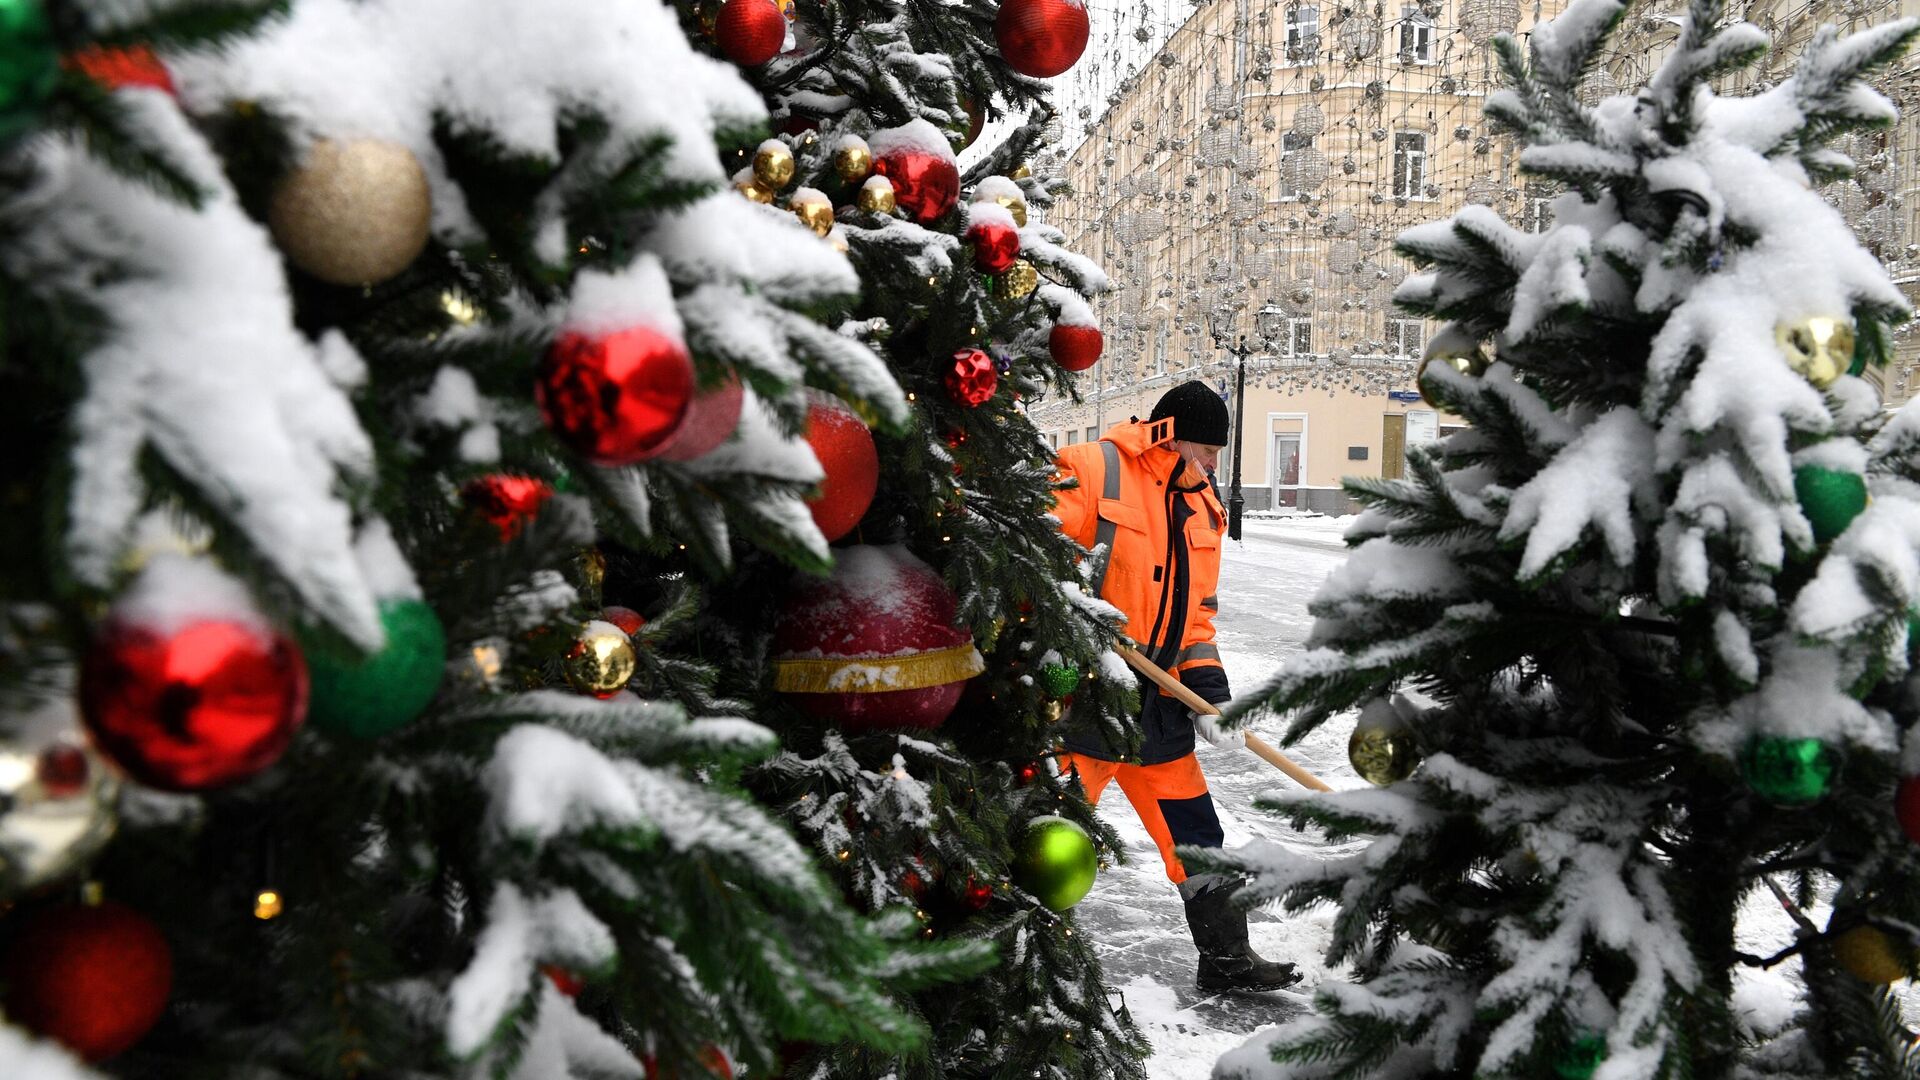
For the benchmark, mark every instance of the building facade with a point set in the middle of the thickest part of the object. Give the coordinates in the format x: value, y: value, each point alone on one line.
x: 1244, y: 187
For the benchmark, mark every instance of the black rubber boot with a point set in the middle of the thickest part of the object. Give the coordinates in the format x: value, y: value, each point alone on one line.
x: 1227, y: 959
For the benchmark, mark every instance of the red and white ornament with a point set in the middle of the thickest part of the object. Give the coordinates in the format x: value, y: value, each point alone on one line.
x: 750, y: 32
x: 916, y: 159
x: 873, y: 646
x: 185, y: 686
x: 1041, y: 38
x: 1073, y: 347
x: 711, y: 420
x: 972, y: 379
x: 93, y: 978
x: 994, y: 236
x: 844, y: 447
x: 506, y: 501
x: 617, y: 398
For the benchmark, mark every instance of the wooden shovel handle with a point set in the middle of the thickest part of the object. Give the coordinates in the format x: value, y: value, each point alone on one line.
x: 1199, y: 704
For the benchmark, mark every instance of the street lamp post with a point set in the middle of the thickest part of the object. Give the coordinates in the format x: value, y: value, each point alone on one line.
x: 1268, y: 323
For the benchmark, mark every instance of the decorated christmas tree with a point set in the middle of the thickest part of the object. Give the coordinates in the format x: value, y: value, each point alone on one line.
x: 418, y: 593
x: 1631, y: 653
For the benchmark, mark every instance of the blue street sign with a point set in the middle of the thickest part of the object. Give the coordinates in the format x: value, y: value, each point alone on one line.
x: 1403, y: 395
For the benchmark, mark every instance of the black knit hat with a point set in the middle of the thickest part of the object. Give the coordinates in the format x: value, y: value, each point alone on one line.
x: 1198, y: 413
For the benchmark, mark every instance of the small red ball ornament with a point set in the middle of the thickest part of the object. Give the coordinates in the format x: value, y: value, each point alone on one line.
x: 93, y: 978
x: 750, y: 32
x: 62, y: 770
x: 1075, y: 348
x: 972, y: 379
x: 192, y: 707
x: 915, y: 159
x: 1041, y: 38
x: 507, y: 502
x: 996, y: 244
x: 1906, y: 807
x: 710, y: 420
x: 845, y: 450
x: 618, y: 398
x: 563, y: 980
x: 628, y: 620
x: 115, y: 69
x: 874, y: 646
x: 978, y: 894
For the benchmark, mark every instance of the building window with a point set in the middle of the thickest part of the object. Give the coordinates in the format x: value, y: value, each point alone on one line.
x: 1540, y: 214
x: 1298, y: 340
x: 1416, y: 35
x: 1409, y: 164
x: 1289, y: 174
x: 1093, y: 434
x: 1303, y: 34
x: 1406, y: 337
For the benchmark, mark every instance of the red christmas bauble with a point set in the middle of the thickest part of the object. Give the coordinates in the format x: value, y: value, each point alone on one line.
x: 874, y: 645
x: 846, y: 452
x: 750, y: 32
x: 996, y: 244
x: 1075, y: 348
x: 617, y: 398
x: 628, y: 620
x: 114, y: 68
x: 710, y: 420
x: 1906, y: 807
x: 93, y: 978
x: 915, y: 160
x: 563, y: 980
x: 192, y: 707
x: 507, y: 502
x: 1041, y: 38
x: 972, y: 379
x: 978, y: 894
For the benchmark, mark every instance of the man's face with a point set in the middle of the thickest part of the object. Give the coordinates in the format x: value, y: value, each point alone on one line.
x: 1200, y: 455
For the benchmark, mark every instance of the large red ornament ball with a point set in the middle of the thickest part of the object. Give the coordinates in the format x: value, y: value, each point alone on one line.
x: 996, y: 243
x: 710, y: 420
x: 873, y: 646
x: 1075, y: 348
x: 115, y: 68
x: 972, y: 379
x: 196, y: 706
x: 916, y: 160
x: 507, y: 502
x: 750, y: 32
x: 617, y: 398
x: 628, y: 620
x: 1906, y: 807
x: 845, y: 450
x: 1041, y: 38
x: 93, y: 978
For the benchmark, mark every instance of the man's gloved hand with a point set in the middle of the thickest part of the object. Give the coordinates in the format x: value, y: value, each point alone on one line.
x: 1207, y: 726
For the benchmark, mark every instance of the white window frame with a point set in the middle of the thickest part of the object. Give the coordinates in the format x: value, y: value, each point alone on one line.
x: 1289, y: 143
x: 1093, y: 434
x: 1410, y: 182
x: 1398, y: 333
x: 1299, y: 332
x: 1540, y: 213
x: 1272, y: 483
x: 1302, y: 23
x: 1416, y: 29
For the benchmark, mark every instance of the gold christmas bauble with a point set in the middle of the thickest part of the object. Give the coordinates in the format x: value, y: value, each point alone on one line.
x: 593, y: 568
x: 754, y: 192
x: 1021, y: 173
x: 1017, y: 281
x: 853, y: 160
x: 1872, y: 955
x: 1466, y: 363
x: 356, y: 211
x: 601, y: 661
x: 773, y: 165
x: 816, y: 214
x: 1016, y: 207
x: 876, y: 195
x: 1819, y: 348
x: 1382, y: 749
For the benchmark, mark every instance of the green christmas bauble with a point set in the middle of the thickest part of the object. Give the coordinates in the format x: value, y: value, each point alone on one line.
x: 1789, y: 771
x: 1059, y: 680
x: 1581, y: 1058
x: 29, y: 65
x: 383, y: 692
x: 1831, y: 499
x: 1055, y: 862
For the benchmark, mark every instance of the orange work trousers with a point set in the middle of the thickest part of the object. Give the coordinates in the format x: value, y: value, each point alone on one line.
x: 1170, y: 797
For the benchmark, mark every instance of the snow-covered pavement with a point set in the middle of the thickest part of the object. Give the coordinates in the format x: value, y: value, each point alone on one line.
x: 1134, y: 912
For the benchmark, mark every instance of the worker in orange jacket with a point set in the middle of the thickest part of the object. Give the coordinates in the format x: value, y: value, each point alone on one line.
x: 1144, y: 494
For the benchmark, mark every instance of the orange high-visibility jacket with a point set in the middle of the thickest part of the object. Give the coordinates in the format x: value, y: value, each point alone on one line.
x: 1163, y: 569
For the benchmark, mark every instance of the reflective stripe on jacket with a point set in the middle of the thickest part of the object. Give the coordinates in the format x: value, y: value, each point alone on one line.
x: 1162, y: 570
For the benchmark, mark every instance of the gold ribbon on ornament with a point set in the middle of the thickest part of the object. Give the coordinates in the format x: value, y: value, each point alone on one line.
x: 878, y: 674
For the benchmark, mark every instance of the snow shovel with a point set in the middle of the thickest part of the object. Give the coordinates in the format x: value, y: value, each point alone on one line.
x: 1199, y: 704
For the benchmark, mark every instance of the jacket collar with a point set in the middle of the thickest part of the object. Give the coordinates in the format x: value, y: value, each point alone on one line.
x: 1143, y: 437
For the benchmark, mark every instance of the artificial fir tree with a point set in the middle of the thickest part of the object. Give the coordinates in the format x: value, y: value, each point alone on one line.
x: 1640, y: 619
x: 354, y: 352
